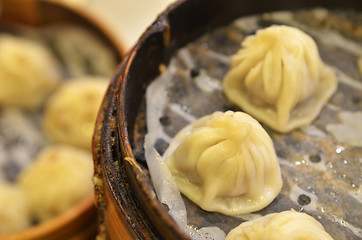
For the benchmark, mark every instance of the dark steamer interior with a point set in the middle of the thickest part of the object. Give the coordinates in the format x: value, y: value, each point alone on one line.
x: 178, y: 25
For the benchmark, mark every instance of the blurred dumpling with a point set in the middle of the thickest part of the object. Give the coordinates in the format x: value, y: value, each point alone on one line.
x: 279, y: 78
x: 28, y: 72
x: 71, y: 112
x: 57, y: 179
x: 14, y: 212
x: 287, y: 225
x: 225, y: 162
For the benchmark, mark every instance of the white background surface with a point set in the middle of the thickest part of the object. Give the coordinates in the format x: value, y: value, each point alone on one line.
x: 128, y: 18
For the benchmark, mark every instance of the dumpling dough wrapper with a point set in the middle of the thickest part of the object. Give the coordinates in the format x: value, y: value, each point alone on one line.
x: 225, y: 162
x: 287, y: 225
x: 279, y: 78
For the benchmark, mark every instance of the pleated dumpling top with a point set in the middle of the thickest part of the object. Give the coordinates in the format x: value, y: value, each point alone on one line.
x: 279, y: 78
x: 225, y: 162
x: 287, y: 225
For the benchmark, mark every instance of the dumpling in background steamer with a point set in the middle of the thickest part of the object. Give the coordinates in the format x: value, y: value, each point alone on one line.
x: 225, y: 162
x: 279, y: 78
x: 58, y: 178
x: 71, y: 112
x: 287, y: 225
x: 28, y: 72
x: 14, y: 211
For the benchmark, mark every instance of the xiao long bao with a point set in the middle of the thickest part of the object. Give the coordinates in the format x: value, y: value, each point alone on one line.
x: 59, y: 177
x: 287, y: 225
x: 28, y: 72
x: 14, y: 209
x: 225, y: 162
x: 279, y: 78
x: 71, y: 111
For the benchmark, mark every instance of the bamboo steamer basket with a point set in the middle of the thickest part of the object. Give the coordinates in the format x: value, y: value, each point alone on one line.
x: 128, y: 206
x: 80, y: 221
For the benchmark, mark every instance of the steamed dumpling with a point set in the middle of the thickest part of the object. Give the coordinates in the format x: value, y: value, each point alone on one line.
x: 14, y: 211
x: 279, y: 78
x: 225, y: 162
x: 28, y: 72
x: 71, y: 112
x: 58, y: 178
x: 287, y: 225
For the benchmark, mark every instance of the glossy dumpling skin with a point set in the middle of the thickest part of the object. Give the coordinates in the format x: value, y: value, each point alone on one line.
x: 287, y: 225
x: 225, y: 162
x: 28, y: 72
x: 279, y: 78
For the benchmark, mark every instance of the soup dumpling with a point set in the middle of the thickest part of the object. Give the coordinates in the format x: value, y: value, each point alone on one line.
x: 71, y: 111
x: 59, y: 177
x: 287, y: 225
x: 14, y: 210
x: 225, y: 162
x: 28, y: 72
x: 279, y: 78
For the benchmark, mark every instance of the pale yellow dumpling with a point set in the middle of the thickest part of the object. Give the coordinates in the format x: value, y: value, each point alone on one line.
x: 287, y: 225
x: 58, y: 178
x: 14, y: 210
x: 71, y: 112
x: 28, y: 72
x: 279, y: 78
x: 225, y: 162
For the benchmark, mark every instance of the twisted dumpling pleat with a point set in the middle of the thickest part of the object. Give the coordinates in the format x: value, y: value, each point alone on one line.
x: 225, y: 162
x: 279, y: 78
x: 287, y: 225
